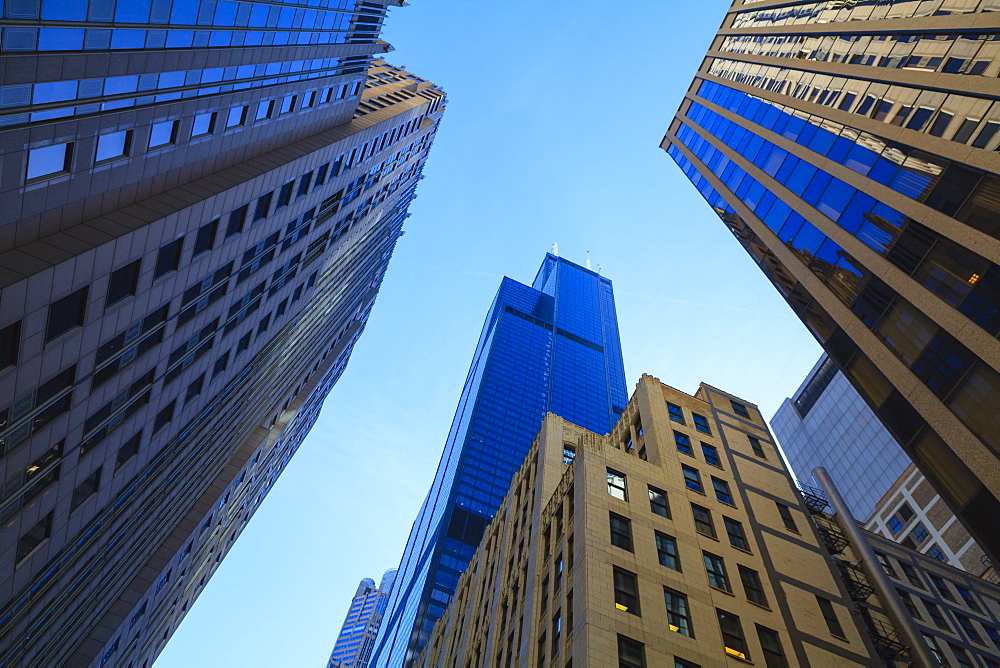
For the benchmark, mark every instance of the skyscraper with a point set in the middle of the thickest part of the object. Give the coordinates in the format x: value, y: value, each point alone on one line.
x: 192, y: 236
x: 357, y: 636
x: 850, y: 147
x: 551, y: 347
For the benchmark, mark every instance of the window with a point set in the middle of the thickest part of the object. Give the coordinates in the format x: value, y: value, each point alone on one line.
x: 701, y: 423
x: 732, y: 635
x: 683, y: 442
x: 237, y: 218
x: 895, y: 525
x: 49, y: 161
x: 911, y: 574
x: 993, y: 634
x: 711, y: 455
x: 678, y: 613
x: 262, y: 207
x: 692, y: 479
x: 237, y: 116
x: 164, y: 417
x: 939, y: 584
x: 722, y: 492
x: 10, y: 342
x: 740, y: 409
x: 616, y: 485
x: 626, y: 591
x: 905, y: 512
x: 282, y: 307
x: 676, y: 414
x: 168, y: 258
x: 243, y: 343
x: 966, y: 595
x: 204, y: 240
x: 969, y: 628
x: 285, y: 195
x: 961, y: 656
x: 264, y: 110
x: 658, y: 503
x: 935, y: 614
x: 786, y: 517
x: 287, y: 104
x: 85, y: 489
x: 304, y: 184
x: 34, y: 537
x: 122, y: 283
x: 935, y: 552
x: 886, y: 565
x: 569, y: 454
x: 66, y: 314
x: 716, y: 569
x: 666, y: 550
x: 204, y: 124
x: 703, y: 521
x: 737, y: 537
x: 770, y: 644
x: 908, y: 602
x: 194, y: 389
x: 920, y: 532
x: 309, y: 100
x: 220, y: 364
x: 113, y: 145
x: 935, y: 649
x: 756, y: 447
x: 681, y: 663
x: 621, y: 532
x: 830, y: 615
x: 163, y: 134
x: 752, y: 585
x: 631, y: 653
x: 128, y: 450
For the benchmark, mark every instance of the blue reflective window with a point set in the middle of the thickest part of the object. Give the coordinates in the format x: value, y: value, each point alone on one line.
x: 800, y: 177
x: 854, y: 214
x: 128, y: 39
x: 889, y: 215
x: 184, y: 12
x: 841, y: 148
x: 132, y: 11
x: 860, y: 159
x: 777, y: 216
x: 835, y: 199
x: 55, y: 91
x: 794, y: 128
x: 816, y: 187
x: 808, y: 240
x: 113, y: 145
x: 874, y: 237
x: 883, y: 171
x: 791, y: 227
x: 48, y: 160
x: 64, y: 10
x: 822, y: 141
x: 162, y: 134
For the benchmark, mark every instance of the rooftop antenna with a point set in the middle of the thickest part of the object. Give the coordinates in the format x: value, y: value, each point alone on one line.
x: 588, y: 259
x: 555, y: 249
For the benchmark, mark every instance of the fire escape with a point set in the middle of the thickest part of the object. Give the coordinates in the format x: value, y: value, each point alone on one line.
x: 859, y: 588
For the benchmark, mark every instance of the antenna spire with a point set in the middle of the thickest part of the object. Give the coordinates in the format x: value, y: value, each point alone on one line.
x: 588, y: 259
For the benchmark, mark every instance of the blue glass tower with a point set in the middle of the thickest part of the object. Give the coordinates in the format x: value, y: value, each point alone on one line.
x: 552, y: 347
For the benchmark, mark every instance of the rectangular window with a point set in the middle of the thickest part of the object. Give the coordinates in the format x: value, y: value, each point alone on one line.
x: 830, y: 615
x: 264, y: 110
x: 935, y: 614
x: 48, y: 161
x: 204, y: 124
x: 164, y: 417
x: 658, y: 503
x: 237, y: 218
x: 122, y: 283
x: 676, y: 414
x: 128, y: 450
x: 678, y: 613
x: 692, y: 479
x: 309, y: 100
x: 285, y: 195
x: 920, y: 532
x: 993, y: 634
x: 939, y: 583
x: 631, y: 653
x: 683, y: 442
x: 287, y: 104
x: 34, y: 537
x: 732, y: 635
x: 569, y: 454
x: 304, y: 184
x: 703, y: 521
x: 168, y: 258
x: 616, y: 485
x: 722, y: 492
x: 886, y: 565
x: 756, y: 447
x: 66, y: 314
x: 701, y: 423
x: 711, y: 455
x: 243, y: 343
x: 752, y: 585
x: 163, y: 134
x: 10, y: 343
x: 666, y: 550
x: 966, y: 595
x: 908, y: 602
x: 113, y: 145
x: 716, y: 568
x: 970, y: 629
x: 204, y: 240
x: 220, y: 364
x: 621, y: 532
x: 194, y: 389
x: 786, y: 517
x: 911, y: 574
x: 626, y: 591
x: 770, y: 644
x: 935, y: 649
x: 737, y: 537
x: 681, y: 663
x: 961, y: 656
x: 740, y: 409
x: 237, y: 116
x: 85, y: 489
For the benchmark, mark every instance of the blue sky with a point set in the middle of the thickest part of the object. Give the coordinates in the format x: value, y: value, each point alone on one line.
x: 556, y: 110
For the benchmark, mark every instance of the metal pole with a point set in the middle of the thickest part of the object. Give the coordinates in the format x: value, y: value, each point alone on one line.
x: 919, y: 651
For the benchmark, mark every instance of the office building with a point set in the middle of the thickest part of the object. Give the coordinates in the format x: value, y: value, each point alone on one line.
x: 357, y: 635
x: 550, y: 347
x: 192, y: 235
x: 699, y: 552
x: 827, y: 423
x: 850, y: 148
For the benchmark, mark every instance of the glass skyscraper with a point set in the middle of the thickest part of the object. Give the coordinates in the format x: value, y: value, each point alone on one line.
x: 552, y: 347
x: 199, y: 200
x: 357, y: 635
x: 851, y: 147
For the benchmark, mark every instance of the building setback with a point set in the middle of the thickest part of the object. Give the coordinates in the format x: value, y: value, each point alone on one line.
x: 191, y: 241
x: 357, y: 635
x: 699, y: 551
x: 550, y: 347
x: 849, y: 146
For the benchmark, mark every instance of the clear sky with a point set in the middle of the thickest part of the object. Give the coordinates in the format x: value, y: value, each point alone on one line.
x: 556, y: 111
